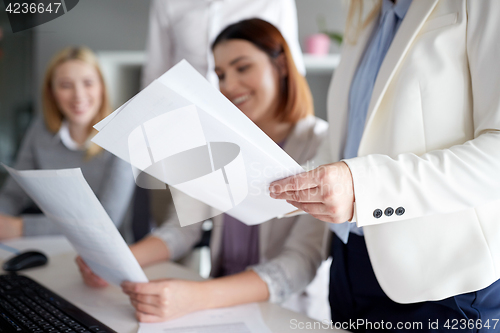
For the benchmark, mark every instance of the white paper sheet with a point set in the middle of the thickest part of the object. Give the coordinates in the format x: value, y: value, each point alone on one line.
x: 100, y: 125
x: 238, y: 319
x: 65, y: 197
x: 202, y: 122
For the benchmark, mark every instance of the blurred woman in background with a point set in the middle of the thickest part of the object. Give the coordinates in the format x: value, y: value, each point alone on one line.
x: 74, y: 99
x: 270, y: 261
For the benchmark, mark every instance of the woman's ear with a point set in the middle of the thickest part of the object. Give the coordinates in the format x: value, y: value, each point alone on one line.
x: 281, y: 64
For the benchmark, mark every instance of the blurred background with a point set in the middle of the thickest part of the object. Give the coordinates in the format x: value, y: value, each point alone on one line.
x: 117, y: 31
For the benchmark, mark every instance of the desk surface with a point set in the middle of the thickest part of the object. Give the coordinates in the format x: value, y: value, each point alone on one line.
x: 110, y: 305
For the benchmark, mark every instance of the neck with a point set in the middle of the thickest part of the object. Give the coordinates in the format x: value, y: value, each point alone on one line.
x: 79, y: 133
x: 277, y: 131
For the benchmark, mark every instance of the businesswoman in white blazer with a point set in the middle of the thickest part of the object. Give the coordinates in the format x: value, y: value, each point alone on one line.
x: 414, y: 112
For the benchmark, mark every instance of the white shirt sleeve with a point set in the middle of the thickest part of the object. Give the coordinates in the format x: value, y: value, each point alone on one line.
x: 159, y: 46
x: 288, y: 26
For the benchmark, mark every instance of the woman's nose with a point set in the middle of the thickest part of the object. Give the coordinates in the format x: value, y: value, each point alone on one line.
x: 230, y: 84
x: 79, y: 91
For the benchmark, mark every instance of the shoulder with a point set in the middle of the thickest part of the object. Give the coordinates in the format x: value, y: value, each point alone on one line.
x: 38, y: 125
x: 38, y: 131
x: 306, y: 137
x: 311, y: 127
x: 320, y: 127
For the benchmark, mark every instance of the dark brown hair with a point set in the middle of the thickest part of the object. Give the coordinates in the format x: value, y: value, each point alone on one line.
x: 295, y: 100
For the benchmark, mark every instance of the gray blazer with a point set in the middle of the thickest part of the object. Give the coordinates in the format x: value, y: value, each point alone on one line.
x: 290, y: 249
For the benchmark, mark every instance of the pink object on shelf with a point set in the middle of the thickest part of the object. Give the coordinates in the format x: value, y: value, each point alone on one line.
x: 318, y: 44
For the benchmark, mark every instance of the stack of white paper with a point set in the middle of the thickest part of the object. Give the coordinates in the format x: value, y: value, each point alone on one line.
x: 185, y: 133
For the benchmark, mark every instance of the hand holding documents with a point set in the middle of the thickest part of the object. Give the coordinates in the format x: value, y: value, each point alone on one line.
x: 185, y: 133
x: 66, y: 198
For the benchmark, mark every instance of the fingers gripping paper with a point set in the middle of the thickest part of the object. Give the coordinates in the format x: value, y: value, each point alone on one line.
x: 65, y: 197
x: 185, y: 133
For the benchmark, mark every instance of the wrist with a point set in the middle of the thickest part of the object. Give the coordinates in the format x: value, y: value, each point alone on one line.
x: 18, y: 226
x: 204, y: 294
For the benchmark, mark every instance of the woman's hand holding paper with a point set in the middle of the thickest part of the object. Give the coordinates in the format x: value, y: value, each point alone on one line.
x: 327, y: 192
x: 89, y: 277
x: 162, y: 300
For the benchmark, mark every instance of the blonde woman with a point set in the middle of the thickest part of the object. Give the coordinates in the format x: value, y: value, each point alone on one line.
x: 74, y: 99
x: 414, y: 110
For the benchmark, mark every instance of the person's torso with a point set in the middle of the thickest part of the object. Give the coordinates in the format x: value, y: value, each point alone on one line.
x: 50, y: 153
x: 302, y: 145
x: 421, y: 102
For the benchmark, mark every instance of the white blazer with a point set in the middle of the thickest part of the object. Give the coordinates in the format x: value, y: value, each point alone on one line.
x: 431, y: 145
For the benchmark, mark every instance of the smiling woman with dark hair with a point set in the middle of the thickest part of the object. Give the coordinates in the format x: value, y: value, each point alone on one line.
x: 271, y: 261
x: 294, y: 101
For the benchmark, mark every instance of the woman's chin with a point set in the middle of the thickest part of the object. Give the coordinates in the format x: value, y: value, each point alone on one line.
x: 80, y: 119
x: 247, y: 111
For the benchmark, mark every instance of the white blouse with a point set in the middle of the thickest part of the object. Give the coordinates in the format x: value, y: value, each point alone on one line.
x: 185, y: 29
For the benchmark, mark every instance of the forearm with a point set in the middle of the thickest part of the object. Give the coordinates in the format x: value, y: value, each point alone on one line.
x: 39, y: 225
x: 245, y: 287
x: 295, y: 267
x: 150, y: 250
x: 161, y: 300
x: 10, y: 227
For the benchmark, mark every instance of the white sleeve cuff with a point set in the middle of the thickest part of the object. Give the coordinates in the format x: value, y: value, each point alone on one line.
x: 278, y: 283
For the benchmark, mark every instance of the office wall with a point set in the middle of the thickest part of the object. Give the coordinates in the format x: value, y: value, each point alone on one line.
x: 309, y: 11
x: 122, y: 25
x: 16, y: 86
x: 114, y: 25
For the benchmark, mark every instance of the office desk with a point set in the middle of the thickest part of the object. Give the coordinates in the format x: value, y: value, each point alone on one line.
x: 110, y: 305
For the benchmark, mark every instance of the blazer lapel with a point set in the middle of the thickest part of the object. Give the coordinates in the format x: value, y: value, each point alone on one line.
x: 414, y: 20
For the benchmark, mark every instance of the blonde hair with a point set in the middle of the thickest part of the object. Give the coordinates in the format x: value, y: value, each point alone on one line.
x: 355, y: 21
x: 52, y: 114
